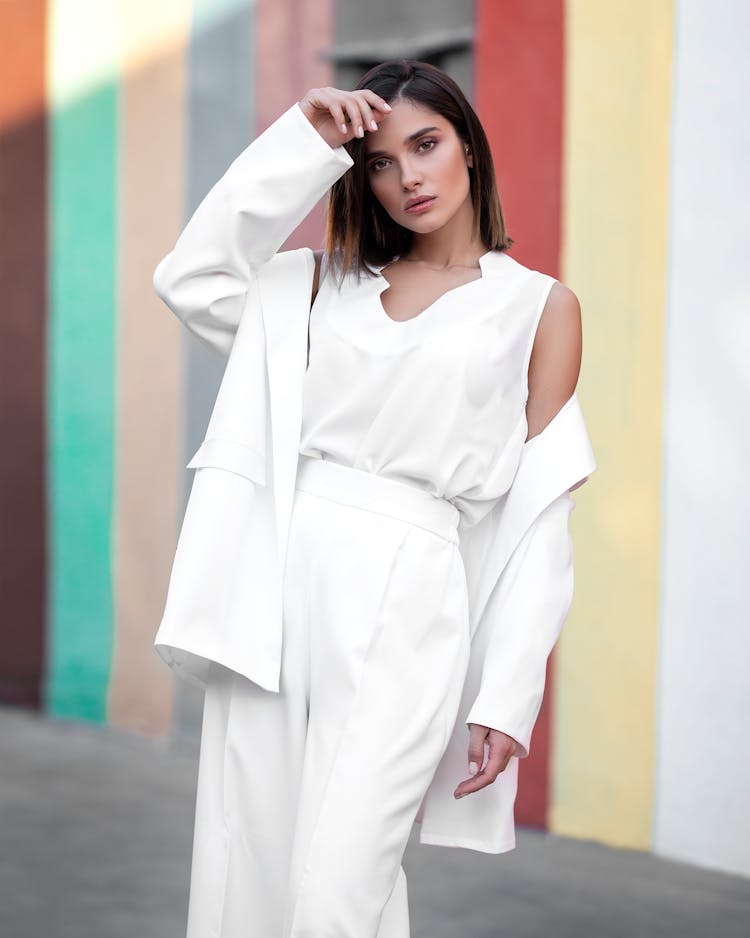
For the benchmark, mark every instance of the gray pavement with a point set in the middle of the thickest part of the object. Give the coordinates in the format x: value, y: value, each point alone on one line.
x: 96, y: 831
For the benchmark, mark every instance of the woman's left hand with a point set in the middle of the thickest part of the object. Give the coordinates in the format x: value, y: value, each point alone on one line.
x: 502, y: 749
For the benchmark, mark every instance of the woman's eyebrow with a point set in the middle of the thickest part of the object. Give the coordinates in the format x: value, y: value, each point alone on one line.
x: 409, y: 139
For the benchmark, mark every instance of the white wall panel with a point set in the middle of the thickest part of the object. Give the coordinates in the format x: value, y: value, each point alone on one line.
x: 703, y: 759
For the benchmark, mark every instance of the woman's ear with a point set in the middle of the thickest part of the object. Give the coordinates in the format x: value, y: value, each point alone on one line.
x: 469, y: 157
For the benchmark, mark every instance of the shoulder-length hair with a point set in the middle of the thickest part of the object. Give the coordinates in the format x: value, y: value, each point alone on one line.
x: 360, y: 234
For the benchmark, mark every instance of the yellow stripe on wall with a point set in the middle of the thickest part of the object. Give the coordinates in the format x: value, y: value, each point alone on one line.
x: 617, y: 111
x: 154, y: 38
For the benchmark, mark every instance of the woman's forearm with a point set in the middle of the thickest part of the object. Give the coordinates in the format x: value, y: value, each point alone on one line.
x: 243, y: 221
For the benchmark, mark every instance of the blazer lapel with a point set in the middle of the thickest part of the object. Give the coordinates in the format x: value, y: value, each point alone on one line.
x: 235, y: 438
x: 285, y: 285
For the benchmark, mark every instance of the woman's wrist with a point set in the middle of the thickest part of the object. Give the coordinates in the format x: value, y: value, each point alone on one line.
x: 311, y: 113
x: 319, y: 140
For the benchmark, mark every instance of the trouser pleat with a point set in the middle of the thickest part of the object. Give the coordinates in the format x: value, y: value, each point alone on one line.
x: 306, y: 798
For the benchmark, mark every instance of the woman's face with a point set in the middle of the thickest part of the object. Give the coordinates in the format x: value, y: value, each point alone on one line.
x: 416, y: 153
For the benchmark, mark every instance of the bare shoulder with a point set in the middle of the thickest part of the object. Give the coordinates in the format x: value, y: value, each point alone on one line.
x: 555, y: 362
x: 318, y: 255
x: 561, y: 315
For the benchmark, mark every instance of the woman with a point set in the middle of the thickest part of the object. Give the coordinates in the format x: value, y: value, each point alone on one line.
x: 433, y: 357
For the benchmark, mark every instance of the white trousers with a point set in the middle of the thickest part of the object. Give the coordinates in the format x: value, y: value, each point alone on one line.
x: 306, y: 797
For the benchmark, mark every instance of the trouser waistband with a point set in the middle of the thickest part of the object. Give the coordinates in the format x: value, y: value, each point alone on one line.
x: 372, y: 492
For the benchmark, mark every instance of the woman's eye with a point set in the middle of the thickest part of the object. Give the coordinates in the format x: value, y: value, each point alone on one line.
x: 375, y: 166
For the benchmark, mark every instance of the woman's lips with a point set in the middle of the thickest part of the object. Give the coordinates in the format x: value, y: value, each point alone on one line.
x: 421, y: 206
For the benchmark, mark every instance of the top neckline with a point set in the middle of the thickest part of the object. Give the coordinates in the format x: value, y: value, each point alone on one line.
x: 485, y: 267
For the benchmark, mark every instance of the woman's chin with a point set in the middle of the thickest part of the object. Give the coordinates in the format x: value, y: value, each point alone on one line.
x: 423, y: 225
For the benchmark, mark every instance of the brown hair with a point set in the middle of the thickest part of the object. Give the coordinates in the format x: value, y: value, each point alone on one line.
x: 359, y: 232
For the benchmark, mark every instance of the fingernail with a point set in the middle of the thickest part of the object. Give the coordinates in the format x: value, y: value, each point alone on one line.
x: 360, y: 132
x: 343, y: 128
x: 374, y: 125
x: 473, y: 768
x: 388, y: 106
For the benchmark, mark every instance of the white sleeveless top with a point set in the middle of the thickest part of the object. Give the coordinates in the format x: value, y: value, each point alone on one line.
x: 437, y: 401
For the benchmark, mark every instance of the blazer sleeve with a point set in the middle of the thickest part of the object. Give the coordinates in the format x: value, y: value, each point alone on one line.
x: 528, y: 608
x: 242, y: 222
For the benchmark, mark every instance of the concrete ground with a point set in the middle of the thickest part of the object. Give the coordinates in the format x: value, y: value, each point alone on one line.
x: 96, y: 831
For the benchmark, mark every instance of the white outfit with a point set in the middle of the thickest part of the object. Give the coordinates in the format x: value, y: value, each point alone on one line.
x: 323, y: 603
x: 306, y: 797
x: 437, y: 401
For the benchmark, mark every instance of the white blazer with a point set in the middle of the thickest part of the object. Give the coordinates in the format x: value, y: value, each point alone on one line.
x: 230, y: 285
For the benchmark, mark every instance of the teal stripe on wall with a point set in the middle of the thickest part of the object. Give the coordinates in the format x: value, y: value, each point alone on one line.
x: 82, y: 251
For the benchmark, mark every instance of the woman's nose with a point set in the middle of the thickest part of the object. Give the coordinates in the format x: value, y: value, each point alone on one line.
x: 409, y: 175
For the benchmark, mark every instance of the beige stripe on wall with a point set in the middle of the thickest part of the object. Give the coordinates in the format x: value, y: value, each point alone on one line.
x: 152, y: 112
x: 618, y: 100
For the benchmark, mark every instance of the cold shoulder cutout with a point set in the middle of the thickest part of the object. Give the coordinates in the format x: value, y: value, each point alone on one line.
x: 555, y: 359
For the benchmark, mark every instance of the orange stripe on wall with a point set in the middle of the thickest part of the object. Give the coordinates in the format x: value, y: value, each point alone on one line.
x: 149, y: 353
x: 23, y: 348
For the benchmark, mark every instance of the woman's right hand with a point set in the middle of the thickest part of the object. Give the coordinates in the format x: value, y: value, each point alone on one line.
x: 329, y: 109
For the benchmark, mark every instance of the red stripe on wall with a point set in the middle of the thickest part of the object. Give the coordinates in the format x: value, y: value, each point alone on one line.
x: 23, y: 198
x: 518, y: 94
x: 291, y: 39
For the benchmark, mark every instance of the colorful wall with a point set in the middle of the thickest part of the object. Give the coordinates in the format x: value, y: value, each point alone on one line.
x: 622, y: 143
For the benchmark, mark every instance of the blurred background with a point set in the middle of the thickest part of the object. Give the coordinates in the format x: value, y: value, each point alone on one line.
x: 621, y: 137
